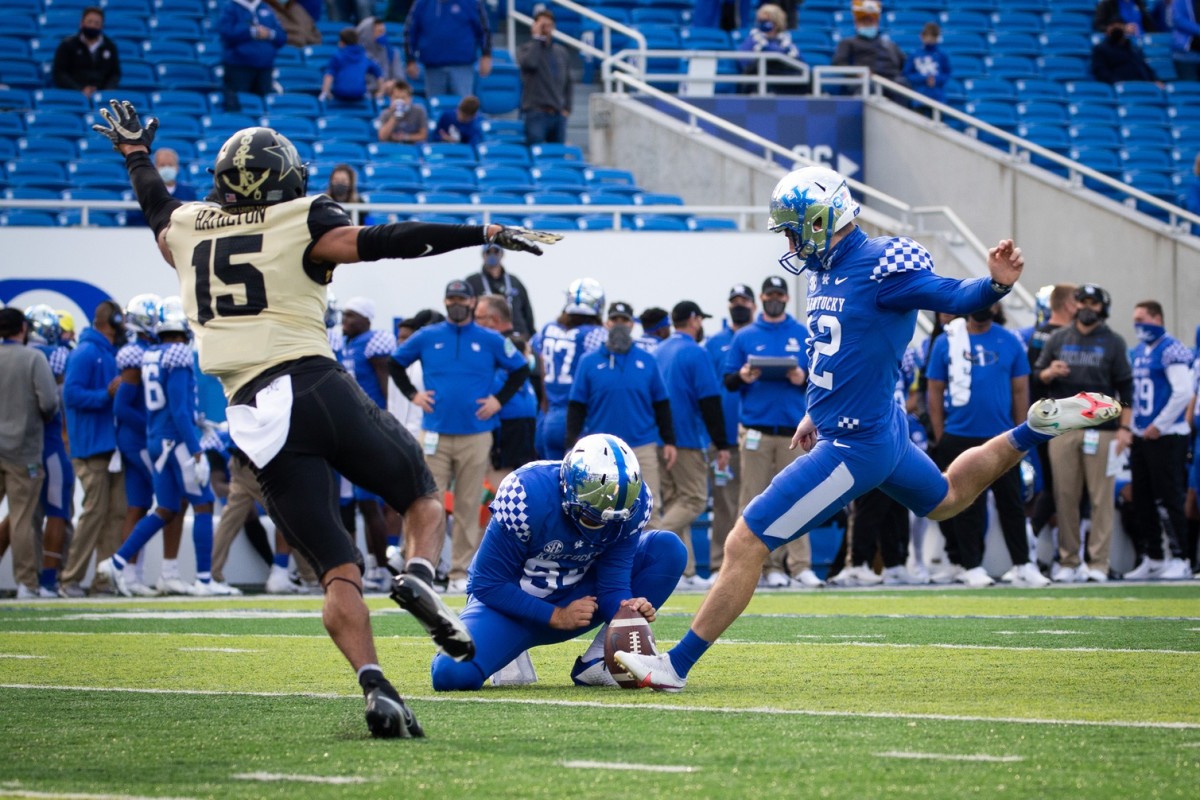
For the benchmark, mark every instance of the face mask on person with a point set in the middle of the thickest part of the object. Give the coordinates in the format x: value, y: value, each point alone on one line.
x: 491, y: 260
x: 740, y: 315
x: 774, y: 308
x: 868, y: 31
x: 400, y: 105
x: 1147, y: 333
x: 168, y: 174
x: 458, y: 313
x: 982, y: 315
x: 339, y: 190
x: 382, y: 41
x: 700, y: 336
x: 1087, y: 316
x: 766, y: 25
x: 91, y: 33
x: 620, y: 338
x: 1116, y: 35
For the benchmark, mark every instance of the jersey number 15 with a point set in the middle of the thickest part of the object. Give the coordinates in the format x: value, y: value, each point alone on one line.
x: 207, y: 260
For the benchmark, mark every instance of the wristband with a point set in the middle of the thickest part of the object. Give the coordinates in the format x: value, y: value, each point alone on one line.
x: 1001, y: 288
x: 1125, y: 428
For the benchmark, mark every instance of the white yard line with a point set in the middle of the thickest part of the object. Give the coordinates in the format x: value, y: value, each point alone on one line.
x: 656, y: 707
x: 271, y: 777
x: 79, y: 795
x: 630, y: 767
x: 949, y: 757
x: 215, y: 650
x: 19, y: 656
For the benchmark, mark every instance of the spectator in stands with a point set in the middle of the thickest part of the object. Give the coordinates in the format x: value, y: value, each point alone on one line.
x: 346, y: 74
x: 250, y: 37
x: 403, y: 120
x: 493, y: 278
x: 1115, y: 58
x: 928, y: 69
x: 343, y: 184
x: 28, y: 399
x: 91, y: 382
x: 1185, y: 38
x: 868, y: 47
x: 461, y: 125
x: 87, y: 61
x: 446, y: 37
x: 373, y: 36
x: 546, y: 83
x: 656, y: 328
x: 770, y: 35
x: 297, y: 22
x: 1087, y: 356
x: 167, y: 162
x: 1130, y: 14
x: 350, y: 10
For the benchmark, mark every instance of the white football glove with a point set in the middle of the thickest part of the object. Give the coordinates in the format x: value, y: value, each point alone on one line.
x: 203, y: 470
x: 525, y: 240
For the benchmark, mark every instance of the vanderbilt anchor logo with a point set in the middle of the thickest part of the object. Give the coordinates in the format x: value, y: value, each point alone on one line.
x: 246, y: 186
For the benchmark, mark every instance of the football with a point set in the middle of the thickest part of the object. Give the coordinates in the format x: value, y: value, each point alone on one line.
x: 629, y: 633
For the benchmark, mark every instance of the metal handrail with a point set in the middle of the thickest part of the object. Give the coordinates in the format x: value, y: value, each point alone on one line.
x: 760, y: 78
x: 607, y: 26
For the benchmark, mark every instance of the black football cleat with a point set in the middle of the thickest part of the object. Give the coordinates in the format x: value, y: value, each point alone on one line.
x: 388, y: 717
x: 419, y: 599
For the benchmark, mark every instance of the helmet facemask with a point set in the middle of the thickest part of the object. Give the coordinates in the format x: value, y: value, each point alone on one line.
x: 601, y: 483
x: 810, y: 205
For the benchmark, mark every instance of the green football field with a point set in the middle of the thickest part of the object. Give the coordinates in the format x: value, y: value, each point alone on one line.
x: 1072, y: 692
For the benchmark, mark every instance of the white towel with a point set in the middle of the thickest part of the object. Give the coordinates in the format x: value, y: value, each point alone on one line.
x: 260, y: 432
x: 958, y: 381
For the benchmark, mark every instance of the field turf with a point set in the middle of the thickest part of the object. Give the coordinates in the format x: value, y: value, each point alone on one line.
x: 933, y: 693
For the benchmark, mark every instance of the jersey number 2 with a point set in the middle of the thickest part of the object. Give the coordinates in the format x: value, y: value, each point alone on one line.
x: 830, y: 323
x: 230, y: 274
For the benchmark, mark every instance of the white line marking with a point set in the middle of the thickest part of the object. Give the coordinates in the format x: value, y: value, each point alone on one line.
x: 80, y: 795
x: 949, y: 757
x: 839, y: 635
x: 276, y: 776
x: 786, y: 712
x: 1190, y: 744
x: 1046, y: 632
x: 229, y: 614
x: 215, y: 650
x: 632, y: 767
x: 19, y: 656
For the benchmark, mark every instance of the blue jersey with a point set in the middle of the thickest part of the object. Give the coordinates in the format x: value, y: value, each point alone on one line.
x: 620, y: 390
x: 129, y: 404
x: 356, y: 354
x: 862, y: 312
x: 688, y: 374
x: 561, y: 349
x: 718, y: 346
x: 52, y: 436
x: 459, y: 364
x: 532, y: 553
x: 1152, y: 385
x: 523, y: 404
x: 777, y: 403
x: 170, y: 388
x: 996, y: 356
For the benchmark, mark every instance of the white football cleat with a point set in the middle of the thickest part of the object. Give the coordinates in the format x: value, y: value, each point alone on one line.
x: 1084, y: 410
x: 175, y: 585
x: 114, y: 576
x: 25, y: 593
x: 808, y: 579
x: 777, y: 580
x: 46, y: 593
x: 1175, y: 569
x: 861, y: 575
x: 1086, y: 573
x: 1147, y: 569
x: 1029, y: 575
x: 655, y: 672
x: 975, y: 578
x: 900, y: 575
x: 220, y: 589
x: 947, y: 574
x: 140, y: 589
x: 1061, y: 574
x: 593, y: 673
x: 279, y: 582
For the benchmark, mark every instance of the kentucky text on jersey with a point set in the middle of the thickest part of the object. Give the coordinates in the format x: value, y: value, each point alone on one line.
x: 213, y: 219
x: 835, y: 304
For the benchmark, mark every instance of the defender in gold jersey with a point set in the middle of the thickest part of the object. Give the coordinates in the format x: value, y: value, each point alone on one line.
x: 253, y: 271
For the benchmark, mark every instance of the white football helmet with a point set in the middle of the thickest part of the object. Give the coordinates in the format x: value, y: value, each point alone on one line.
x: 43, y: 324
x: 601, y: 482
x: 810, y: 205
x: 333, y: 311
x: 585, y: 296
x: 1041, y: 304
x: 171, y: 318
x: 141, y: 314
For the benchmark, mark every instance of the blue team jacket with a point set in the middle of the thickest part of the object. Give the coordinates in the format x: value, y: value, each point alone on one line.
x: 442, y: 33
x: 91, y: 366
x: 238, y: 47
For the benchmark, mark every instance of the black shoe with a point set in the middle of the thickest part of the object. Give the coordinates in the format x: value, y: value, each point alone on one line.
x: 419, y: 599
x: 388, y: 717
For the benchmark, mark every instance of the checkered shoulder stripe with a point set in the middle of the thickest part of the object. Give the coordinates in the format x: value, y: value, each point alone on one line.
x: 595, y: 339
x: 129, y: 357
x: 58, y: 361
x: 510, y: 509
x: 902, y: 255
x: 380, y: 344
x: 1177, y: 353
x: 177, y: 356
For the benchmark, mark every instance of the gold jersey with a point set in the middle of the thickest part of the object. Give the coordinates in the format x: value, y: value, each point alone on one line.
x: 253, y: 297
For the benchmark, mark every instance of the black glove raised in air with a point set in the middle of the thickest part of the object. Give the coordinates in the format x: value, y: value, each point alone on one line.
x: 524, y: 240
x: 124, y: 126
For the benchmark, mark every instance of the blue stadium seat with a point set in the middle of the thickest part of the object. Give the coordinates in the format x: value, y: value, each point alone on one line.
x: 142, y: 8
x: 1066, y: 42
x: 1152, y: 159
x: 557, y: 175
x: 306, y: 80
x: 32, y: 193
x: 15, y: 100
x: 1040, y: 89
x: 297, y: 104
x: 297, y: 128
x: 1092, y: 135
x: 176, y: 27
x: 1063, y: 68
x: 455, y: 152
x: 19, y: 74
x: 110, y: 171
x: 443, y: 198
x: 1015, y: 43
x: 1141, y: 92
x: 691, y: 38
x: 1009, y: 18
x: 224, y: 123
x: 607, y: 177
x: 251, y: 104
x: 23, y: 26
x: 61, y: 100
x: 1043, y: 111
x: 179, y: 102
x: 506, y: 152
x: 290, y: 56
x: 348, y: 152
x: 448, y: 172
x: 14, y: 49
x: 1011, y: 67
x: 657, y: 199
x: 658, y: 222
x: 48, y: 148
x: 1069, y: 19
x: 550, y: 222
x: 30, y: 173
x: 600, y: 197
x: 12, y: 125
x: 1143, y: 115
x: 503, y: 131
x: 499, y: 92
x: 350, y: 129
x: 175, y: 75
x: 965, y: 42
x: 1146, y: 135
x: 394, y: 152
x: 1051, y: 137
x: 156, y: 50
x: 503, y: 174
x: 442, y: 102
x: 554, y: 152
x: 31, y: 219
x: 703, y: 224
x: 1184, y: 114
x: 139, y: 76
x: 541, y: 198
x: 905, y: 18
x: 318, y: 55
x: 1163, y: 67
x: 390, y: 197
x: 595, y: 222
x: 961, y: 20
x: 30, y: 7
x: 967, y: 66
x: 61, y: 124
x: 989, y: 88
x: 997, y: 113
x: 497, y: 198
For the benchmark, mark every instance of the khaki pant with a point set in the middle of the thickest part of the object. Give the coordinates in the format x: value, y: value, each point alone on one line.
x: 647, y: 456
x: 726, y: 508
x: 459, y: 464
x: 22, y: 485
x: 684, y: 496
x: 103, y: 518
x: 1073, y: 470
x: 759, y: 467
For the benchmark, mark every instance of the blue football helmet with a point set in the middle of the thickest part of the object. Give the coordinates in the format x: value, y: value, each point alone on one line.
x: 1041, y: 304
x: 141, y: 314
x: 585, y: 296
x: 810, y: 205
x: 171, y: 318
x: 43, y: 324
x: 601, y: 482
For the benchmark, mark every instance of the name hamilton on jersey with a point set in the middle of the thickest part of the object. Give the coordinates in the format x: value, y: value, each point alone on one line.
x: 214, y: 219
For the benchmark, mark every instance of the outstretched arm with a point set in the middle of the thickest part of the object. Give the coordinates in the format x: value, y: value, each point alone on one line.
x: 353, y: 243
x: 922, y: 289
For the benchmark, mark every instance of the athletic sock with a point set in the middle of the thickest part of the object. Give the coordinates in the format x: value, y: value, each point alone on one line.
x: 393, y: 541
x: 420, y: 568
x: 685, y: 654
x: 142, y: 533
x: 1025, y: 438
x: 170, y: 568
x: 596, y: 648
x: 202, y: 538
x: 48, y: 577
x: 370, y: 676
x: 281, y: 560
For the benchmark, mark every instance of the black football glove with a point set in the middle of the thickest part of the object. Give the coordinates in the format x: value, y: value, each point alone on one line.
x: 524, y: 240
x: 124, y: 126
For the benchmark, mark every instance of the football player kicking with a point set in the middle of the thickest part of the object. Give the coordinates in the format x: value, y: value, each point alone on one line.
x: 252, y: 272
x: 566, y: 547
x: 863, y: 298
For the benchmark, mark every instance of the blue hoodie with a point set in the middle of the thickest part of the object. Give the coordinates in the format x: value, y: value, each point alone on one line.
x: 91, y: 427
x: 928, y: 62
x: 239, y: 48
x: 349, y: 67
x: 445, y: 33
